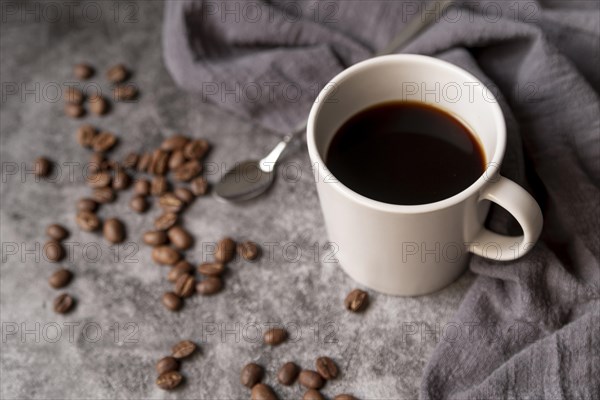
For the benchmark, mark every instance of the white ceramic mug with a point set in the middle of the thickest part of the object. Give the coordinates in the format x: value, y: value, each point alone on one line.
x: 418, y: 249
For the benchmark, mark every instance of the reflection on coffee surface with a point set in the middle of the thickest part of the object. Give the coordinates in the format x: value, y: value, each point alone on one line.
x: 405, y: 153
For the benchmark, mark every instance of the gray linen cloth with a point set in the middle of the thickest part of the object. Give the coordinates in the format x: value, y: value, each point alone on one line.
x: 525, y: 329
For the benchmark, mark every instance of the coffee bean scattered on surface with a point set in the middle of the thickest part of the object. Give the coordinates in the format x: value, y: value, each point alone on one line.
x: 165, y: 255
x: 275, y: 336
x: 174, y: 142
x: 103, y: 142
x: 138, y: 203
x: 169, y: 380
x: 54, y: 251
x: 87, y: 204
x: 310, y: 379
x: 167, y: 364
x: 225, y: 250
x: 117, y: 73
x: 196, y: 149
x: 251, y: 375
x: 185, y: 286
x: 73, y: 95
x: 131, y: 161
x: 42, y: 167
x: 170, y: 203
x: 113, y: 230
x: 288, y: 373
x: 126, y: 92
x: 181, y: 268
x: 180, y: 238
x: 184, y: 195
x: 183, y: 349
x: 187, y: 171
x: 74, y: 110
x: 356, y: 300
x: 261, y: 391
x: 248, y: 250
x: 57, y: 232
x: 85, y: 135
x: 98, y: 105
x: 155, y: 238
x: 99, y: 179
x: 209, y: 285
x: 95, y: 163
x: 104, y: 195
x: 121, y: 180
x: 345, y: 397
x: 176, y: 160
x: 312, y: 394
x: 142, y: 187
x: 326, y: 368
x: 88, y: 221
x: 165, y: 221
x: 211, y: 269
x: 83, y: 71
x: 60, y: 278
x: 171, y: 301
x: 199, y: 186
x: 63, y: 303
x: 159, y: 186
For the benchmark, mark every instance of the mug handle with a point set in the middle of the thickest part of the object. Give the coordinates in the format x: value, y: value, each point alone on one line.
x: 523, y: 208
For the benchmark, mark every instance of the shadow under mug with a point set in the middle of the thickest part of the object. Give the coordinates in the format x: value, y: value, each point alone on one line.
x: 418, y: 249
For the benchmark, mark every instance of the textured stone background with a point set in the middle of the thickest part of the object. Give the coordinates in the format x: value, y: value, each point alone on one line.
x: 39, y: 49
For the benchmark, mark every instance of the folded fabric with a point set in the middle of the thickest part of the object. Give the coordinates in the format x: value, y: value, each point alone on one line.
x: 525, y: 329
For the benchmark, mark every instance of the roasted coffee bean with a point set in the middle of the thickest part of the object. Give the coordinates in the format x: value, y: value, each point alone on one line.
x: 54, y: 251
x: 117, y: 73
x: 356, y: 300
x: 211, y: 269
x: 175, y: 142
x: 165, y: 255
x: 209, y: 285
x: 63, y: 303
x: 138, y: 203
x: 87, y: 204
x: 42, y: 167
x: 165, y: 221
x: 60, y: 278
x: 262, y: 392
x: 98, y: 105
x: 169, y: 380
x: 171, y: 301
x: 184, y: 195
x: 185, y: 286
x: 180, y: 238
x: 183, y: 349
x: 74, y: 110
x: 275, y: 336
x: 99, y: 179
x: 113, y: 230
x: 131, y: 161
x: 126, y: 92
x: 326, y: 368
x: 312, y: 394
x: 288, y: 373
x: 159, y: 186
x: 155, y: 238
x: 142, y: 187
x: 167, y: 364
x: 85, y: 135
x: 73, y: 95
x: 170, y: 203
x: 83, y: 71
x: 144, y: 162
x: 248, y: 250
x: 188, y: 171
x: 57, y: 232
x: 310, y: 379
x: 196, y: 149
x: 104, y: 195
x: 159, y: 163
x: 251, y: 375
x: 87, y: 221
x: 199, y: 186
x: 181, y: 268
x: 176, y: 160
x: 95, y: 164
x: 344, y: 397
x: 121, y: 180
x: 225, y: 250
x: 104, y: 141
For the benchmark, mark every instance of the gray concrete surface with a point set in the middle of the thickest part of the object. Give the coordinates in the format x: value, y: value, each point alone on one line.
x: 121, y: 296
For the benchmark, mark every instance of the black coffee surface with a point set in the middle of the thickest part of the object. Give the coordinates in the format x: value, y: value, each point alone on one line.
x: 405, y: 153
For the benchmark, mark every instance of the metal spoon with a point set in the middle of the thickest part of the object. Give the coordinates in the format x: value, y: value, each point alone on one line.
x: 251, y: 178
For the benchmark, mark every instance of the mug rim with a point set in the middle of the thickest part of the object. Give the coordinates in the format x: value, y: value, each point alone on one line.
x: 488, y: 175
